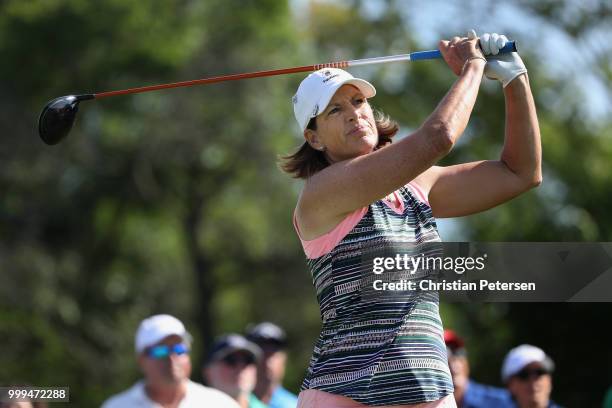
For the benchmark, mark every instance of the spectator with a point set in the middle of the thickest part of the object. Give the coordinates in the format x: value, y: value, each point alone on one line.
x: 21, y: 402
x: 527, y: 372
x: 271, y: 369
x: 162, y: 347
x: 231, y: 367
x: 468, y: 393
x: 16, y: 404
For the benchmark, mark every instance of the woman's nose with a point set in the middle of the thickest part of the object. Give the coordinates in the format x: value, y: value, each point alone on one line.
x: 352, y: 113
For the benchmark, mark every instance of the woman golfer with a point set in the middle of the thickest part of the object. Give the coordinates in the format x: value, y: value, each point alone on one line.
x: 362, y: 191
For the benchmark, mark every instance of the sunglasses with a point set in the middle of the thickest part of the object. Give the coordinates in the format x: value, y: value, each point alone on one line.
x: 163, y: 351
x: 525, y: 374
x: 236, y: 359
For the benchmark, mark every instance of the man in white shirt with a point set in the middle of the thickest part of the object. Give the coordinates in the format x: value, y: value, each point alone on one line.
x: 162, y: 348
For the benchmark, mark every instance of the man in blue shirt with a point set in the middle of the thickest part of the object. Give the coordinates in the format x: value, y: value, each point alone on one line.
x: 271, y: 369
x: 468, y: 393
x: 231, y: 367
x: 527, y: 372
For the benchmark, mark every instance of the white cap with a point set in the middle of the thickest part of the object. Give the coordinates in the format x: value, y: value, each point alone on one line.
x: 521, y: 356
x: 317, y: 89
x: 156, y: 328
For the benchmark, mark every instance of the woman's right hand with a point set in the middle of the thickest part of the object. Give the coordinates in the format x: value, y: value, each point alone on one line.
x: 458, y: 51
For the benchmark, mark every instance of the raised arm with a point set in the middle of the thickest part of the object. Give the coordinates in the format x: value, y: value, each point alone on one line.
x: 350, y: 184
x: 473, y: 187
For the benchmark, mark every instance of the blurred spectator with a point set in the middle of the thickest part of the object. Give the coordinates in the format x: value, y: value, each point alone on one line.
x: 468, y: 393
x: 15, y: 404
x: 271, y: 369
x: 26, y: 403
x: 162, y: 346
x: 232, y: 368
x: 527, y: 372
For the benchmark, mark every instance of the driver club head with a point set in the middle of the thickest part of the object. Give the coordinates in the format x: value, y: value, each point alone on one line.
x: 57, y: 117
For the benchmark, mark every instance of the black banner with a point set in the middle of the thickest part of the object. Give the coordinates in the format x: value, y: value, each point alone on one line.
x: 489, y: 271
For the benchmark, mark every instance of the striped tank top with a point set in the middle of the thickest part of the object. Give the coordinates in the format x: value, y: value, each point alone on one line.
x: 376, y: 347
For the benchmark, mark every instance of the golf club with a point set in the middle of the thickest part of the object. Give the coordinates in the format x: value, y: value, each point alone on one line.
x: 58, y: 115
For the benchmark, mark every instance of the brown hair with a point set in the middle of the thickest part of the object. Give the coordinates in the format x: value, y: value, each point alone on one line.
x: 307, y: 161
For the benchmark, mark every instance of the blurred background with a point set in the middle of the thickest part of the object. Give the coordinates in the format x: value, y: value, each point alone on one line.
x: 172, y: 202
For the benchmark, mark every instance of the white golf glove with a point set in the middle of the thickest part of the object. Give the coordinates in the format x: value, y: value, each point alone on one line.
x: 503, y: 67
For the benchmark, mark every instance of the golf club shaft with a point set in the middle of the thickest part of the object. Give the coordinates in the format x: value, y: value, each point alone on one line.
x: 414, y: 56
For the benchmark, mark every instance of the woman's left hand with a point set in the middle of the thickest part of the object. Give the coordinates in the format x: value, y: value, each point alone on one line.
x: 503, y: 67
x: 458, y: 51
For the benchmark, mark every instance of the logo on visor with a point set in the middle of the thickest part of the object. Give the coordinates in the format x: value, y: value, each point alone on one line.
x: 315, y: 111
x: 330, y: 77
x: 294, y: 99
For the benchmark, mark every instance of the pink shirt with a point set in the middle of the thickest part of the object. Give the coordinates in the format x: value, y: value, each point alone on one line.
x: 323, y: 244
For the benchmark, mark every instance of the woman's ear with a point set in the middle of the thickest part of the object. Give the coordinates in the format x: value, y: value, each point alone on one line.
x: 313, y: 140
